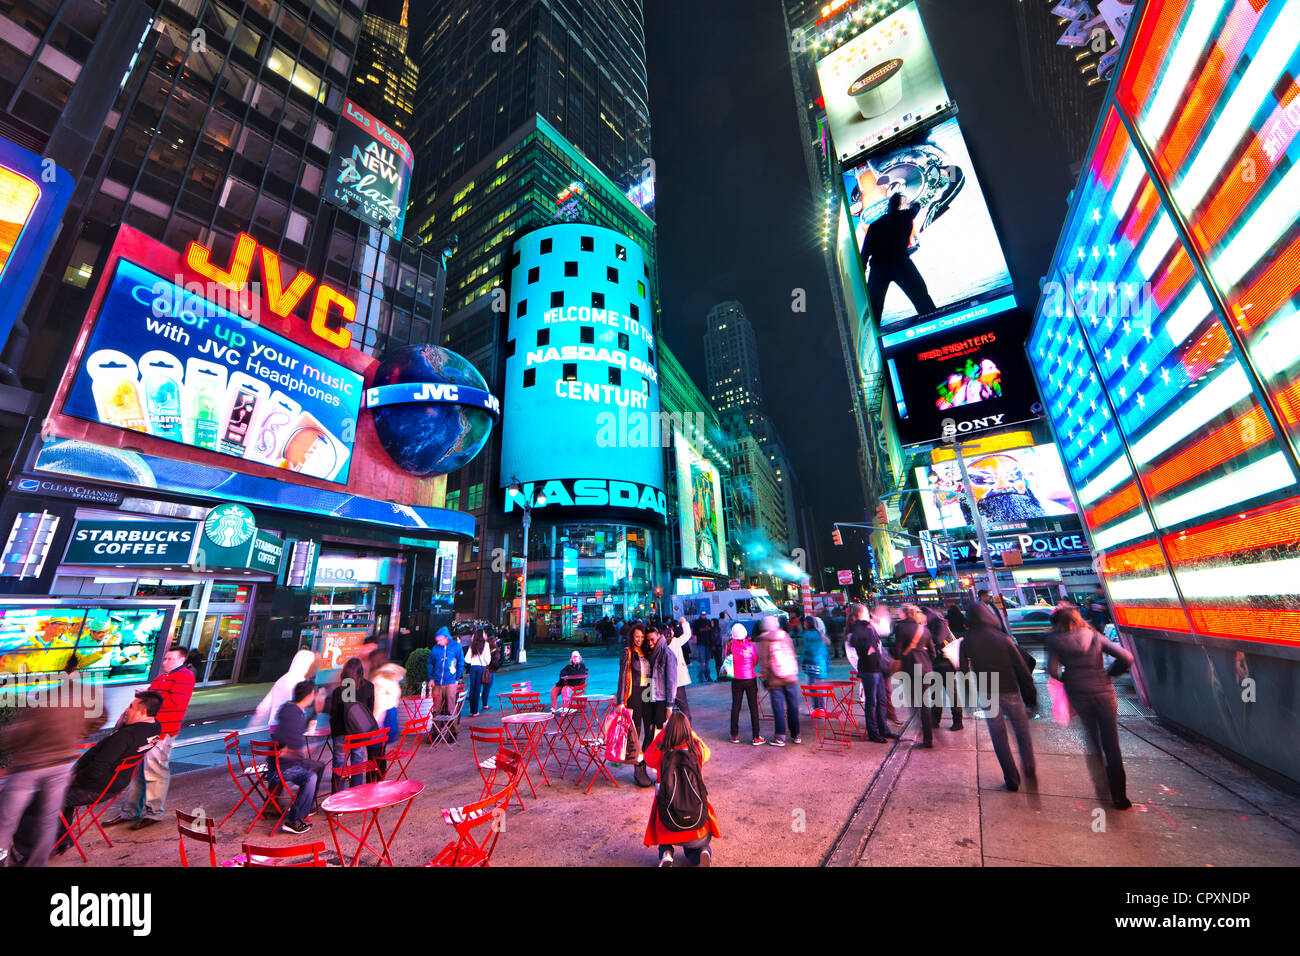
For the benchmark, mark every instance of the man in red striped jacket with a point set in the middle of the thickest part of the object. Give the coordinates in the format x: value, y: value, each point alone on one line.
x: 144, y: 799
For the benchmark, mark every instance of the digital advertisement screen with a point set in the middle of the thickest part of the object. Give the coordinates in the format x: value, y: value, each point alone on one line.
x: 699, y: 508
x: 112, y: 645
x: 370, y: 170
x: 1011, y: 488
x: 881, y: 82
x: 580, y: 413
x: 960, y: 384
x: 951, y: 255
x: 164, y: 361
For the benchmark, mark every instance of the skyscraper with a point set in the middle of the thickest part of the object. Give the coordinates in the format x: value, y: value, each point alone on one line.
x: 384, y: 78
x: 731, y: 359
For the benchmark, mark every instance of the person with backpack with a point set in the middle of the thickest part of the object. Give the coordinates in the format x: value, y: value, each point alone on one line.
x: 744, y: 658
x: 780, y: 672
x: 681, y: 814
x: 1076, y: 647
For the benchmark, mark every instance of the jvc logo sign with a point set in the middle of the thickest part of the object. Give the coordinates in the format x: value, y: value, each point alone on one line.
x: 76, y: 909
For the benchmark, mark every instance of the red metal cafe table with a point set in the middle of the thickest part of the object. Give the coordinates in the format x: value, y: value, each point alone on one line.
x: 323, y: 735
x: 846, y: 693
x: 531, y: 723
x: 368, y: 799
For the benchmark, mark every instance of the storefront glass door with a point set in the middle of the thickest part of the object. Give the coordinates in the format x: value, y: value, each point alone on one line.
x: 212, y: 620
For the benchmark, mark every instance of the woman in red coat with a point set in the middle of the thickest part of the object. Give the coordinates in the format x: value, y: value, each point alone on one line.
x: 677, y: 735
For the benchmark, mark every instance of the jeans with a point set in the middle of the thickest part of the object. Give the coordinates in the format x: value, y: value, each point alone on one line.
x: 46, y: 787
x: 873, y: 703
x: 340, y: 760
x: 1099, y: 713
x: 476, y: 691
x: 487, y: 688
x: 680, y: 702
x: 747, y: 689
x: 705, y: 654
x: 694, y: 849
x: 1011, y: 707
x: 305, y: 775
x: 785, y: 699
x: 147, y: 792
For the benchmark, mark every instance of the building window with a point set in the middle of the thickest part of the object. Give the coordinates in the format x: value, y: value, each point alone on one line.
x: 557, y: 298
x: 543, y: 337
x: 530, y: 377
x: 534, y: 274
x: 615, y: 376
x: 624, y: 342
x: 598, y: 300
x: 514, y: 260
x: 635, y: 311
x: 570, y: 371
x: 620, y: 252
x: 587, y: 244
x: 453, y: 500
x: 611, y: 274
x: 652, y: 356
x: 475, y: 497
x: 587, y: 335
x: 545, y: 246
x: 521, y: 308
x: 640, y: 289
x: 570, y: 268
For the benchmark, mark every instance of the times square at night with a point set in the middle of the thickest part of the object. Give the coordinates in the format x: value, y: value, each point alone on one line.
x: 416, y: 413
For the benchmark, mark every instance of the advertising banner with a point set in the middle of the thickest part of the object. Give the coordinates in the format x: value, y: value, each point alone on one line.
x: 699, y: 509
x: 111, y: 644
x: 580, y: 414
x: 953, y: 246
x: 164, y: 361
x: 370, y: 170
x: 881, y: 82
x: 1011, y: 489
x: 964, y: 383
x: 131, y: 542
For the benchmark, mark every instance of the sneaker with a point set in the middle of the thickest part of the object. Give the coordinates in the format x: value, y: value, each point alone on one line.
x: 735, y: 740
x: 1123, y: 803
x: 666, y: 860
x: 759, y: 741
x: 777, y: 742
x: 295, y: 826
x: 706, y: 857
x: 797, y: 739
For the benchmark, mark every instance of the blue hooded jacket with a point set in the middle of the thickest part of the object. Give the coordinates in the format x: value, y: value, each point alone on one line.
x: 446, y: 663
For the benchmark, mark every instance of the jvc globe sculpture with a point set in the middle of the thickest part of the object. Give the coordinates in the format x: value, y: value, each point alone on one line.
x: 430, y: 438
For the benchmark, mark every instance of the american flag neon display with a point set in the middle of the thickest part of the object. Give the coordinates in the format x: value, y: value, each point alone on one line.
x: 1190, y: 495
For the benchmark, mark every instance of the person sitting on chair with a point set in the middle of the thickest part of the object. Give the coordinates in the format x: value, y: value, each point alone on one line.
x: 295, y: 766
x: 573, y: 675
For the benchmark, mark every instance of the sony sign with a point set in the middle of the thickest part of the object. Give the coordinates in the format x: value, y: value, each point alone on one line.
x: 592, y: 493
x: 952, y: 429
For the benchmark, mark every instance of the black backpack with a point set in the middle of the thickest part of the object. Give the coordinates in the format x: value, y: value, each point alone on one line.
x: 682, y: 800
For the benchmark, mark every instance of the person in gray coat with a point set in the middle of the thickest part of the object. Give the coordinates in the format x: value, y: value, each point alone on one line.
x: 993, y: 659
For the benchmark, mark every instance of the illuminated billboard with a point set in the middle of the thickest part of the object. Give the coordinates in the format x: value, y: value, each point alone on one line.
x: 699, y: 510
x: 282, y: 425
x: 369, y: 171
x: 1012, y: 488
x: 949, y: 255
x: 111, y: 644
x: 169, y: 363
x: 33, y: 194
x: 580, y: 412
x: 881, y: 82
x: 965, y: 382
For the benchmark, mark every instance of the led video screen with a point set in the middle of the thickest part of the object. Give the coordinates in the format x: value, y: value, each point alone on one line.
x: 166, y: 362
x: 699, y: 507
x: 111, y: 645
x: 948, y: 255
x: 1011, y: 488
x: 882, y: 81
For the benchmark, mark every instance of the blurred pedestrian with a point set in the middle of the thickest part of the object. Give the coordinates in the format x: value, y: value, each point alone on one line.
x: 351, y: 710
x: 915, y: 649
x: 945, y: 650
x: 994, y: 661
x: 744, y: 683
x: 476, y: 662
x: 1077, y: 648
x: 267, y: 713
x: 779, y: 669
x: 815, y: 657
x: 867, y: 651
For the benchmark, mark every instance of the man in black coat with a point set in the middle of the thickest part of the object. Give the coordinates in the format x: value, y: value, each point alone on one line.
x: 885, y: 247
x: 995, y: 661
x: 915, y: 648
x: 942, y: 636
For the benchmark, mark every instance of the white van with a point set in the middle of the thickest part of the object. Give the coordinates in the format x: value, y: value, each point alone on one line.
x: 745, y: 607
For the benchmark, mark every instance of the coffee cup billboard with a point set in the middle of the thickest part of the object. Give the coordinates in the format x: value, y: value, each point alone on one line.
x: 880, y: 83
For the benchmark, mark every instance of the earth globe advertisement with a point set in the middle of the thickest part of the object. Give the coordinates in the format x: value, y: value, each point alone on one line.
x: 431, y: 409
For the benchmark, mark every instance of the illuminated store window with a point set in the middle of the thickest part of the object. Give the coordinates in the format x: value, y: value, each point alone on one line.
x: 598, y: 300
x: 640, y: 289
x: 587, y: 335
x: 475, y: 497
x: 557, y: 299
x: 530, y: 377
x: 571, y: 371
x: 587, y: 244
x: 570, y: 268
x: 620, y: 252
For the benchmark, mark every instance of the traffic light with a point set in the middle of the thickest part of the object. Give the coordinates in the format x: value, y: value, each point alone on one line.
x: 836, y: 536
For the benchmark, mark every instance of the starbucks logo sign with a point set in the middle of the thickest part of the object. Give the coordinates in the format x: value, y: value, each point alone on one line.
x: 229, y: 526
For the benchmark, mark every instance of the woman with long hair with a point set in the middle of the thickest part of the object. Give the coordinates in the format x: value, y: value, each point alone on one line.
x: 476, y: 663
x: 1074, y: 646
x: 914, y: 646
x: 351, y: 710
x: 633, y: 682
x: 678, y: 755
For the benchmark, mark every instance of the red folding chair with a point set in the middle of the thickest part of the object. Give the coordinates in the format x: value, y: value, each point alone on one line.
x: 86, y: 817
x: 591, y: 740
x: 487, y: 817
x: 490, y: 756
x: 570, y: 724
x: 279, y: 798
x: 196, y: 828
x: 519, y: 702
x: 442, y: 727
x: 269, y: 855
x: 362, y: 742
x: 404, y: 751
x: 247, y: 778
x: 827, y: 719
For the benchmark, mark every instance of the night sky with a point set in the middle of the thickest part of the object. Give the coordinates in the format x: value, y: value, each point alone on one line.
x: 738, y: 219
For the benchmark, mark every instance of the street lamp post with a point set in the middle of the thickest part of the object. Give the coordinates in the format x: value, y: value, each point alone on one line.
x: 989, y: 573
x: 523, y: 577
